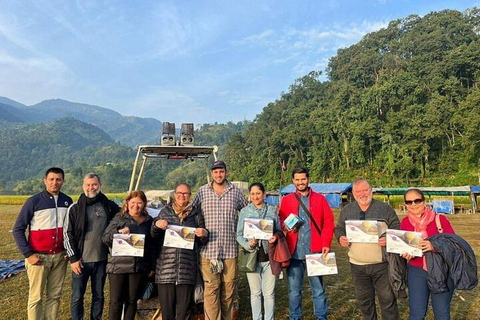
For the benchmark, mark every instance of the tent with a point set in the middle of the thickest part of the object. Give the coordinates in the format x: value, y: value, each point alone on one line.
x: 166, y: 195
x: 467, y: 191
x: 332, y: 191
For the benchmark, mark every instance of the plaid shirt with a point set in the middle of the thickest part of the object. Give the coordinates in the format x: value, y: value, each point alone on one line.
x: 221, y: 217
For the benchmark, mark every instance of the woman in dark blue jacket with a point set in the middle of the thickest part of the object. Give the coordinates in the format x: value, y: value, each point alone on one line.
x: 127, y: 273
x: 176, y: 270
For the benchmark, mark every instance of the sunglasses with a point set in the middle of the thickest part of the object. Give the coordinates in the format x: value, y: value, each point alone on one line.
x: 416, y: 201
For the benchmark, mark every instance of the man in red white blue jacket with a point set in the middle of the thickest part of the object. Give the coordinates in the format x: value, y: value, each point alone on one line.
x: 44, y: 215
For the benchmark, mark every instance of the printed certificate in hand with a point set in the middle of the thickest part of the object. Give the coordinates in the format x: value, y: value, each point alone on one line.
x: 130, y: 245
x: 399, y: 241
x: 179, y: 237
x: 261, y: 229
x: 366, y: 231
x: 318, y: 265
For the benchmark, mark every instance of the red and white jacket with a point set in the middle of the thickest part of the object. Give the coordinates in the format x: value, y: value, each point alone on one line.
x: 45, y: 221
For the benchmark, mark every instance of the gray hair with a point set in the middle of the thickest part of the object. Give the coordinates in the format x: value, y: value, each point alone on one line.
x: 92, y: 175
x: 360, y: 180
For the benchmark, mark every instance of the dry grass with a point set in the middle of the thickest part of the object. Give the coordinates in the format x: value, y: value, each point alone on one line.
x: 341, y: 298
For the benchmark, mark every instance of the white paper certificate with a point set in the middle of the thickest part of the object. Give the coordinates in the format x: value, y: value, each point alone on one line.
x: 317, y: 265
x: 179, y: 237
x: 399, y: 241
x: 261, y: 229
x: 366, y: 231
x: 131, y: 245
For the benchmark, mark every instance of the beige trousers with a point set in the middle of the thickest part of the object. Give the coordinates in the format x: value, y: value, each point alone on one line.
x: 220, y: 289
x: 45, y: 280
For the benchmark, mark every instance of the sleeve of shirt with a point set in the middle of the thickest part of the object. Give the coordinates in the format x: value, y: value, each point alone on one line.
x: 116, y: 224
x: 282, y: 215
x: 21, y: 225
x: 243, y: 201
x: 198, y: 199
x: 340, y: 229
x: 328, y: 224
x: 446, y: 225
x: 240, y: 239
x: 392, y: 219
x: 68, y: 234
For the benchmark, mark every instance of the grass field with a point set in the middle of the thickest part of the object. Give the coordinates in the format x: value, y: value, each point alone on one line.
x: 341, y: 299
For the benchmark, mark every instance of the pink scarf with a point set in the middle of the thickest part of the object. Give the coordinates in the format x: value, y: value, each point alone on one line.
x: 420, y: 225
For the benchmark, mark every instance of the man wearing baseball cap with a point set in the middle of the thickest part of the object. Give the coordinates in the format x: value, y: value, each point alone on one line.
x: 220, y: 201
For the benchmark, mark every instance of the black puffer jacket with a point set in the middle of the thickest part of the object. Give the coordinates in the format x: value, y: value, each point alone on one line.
x: 120, y: 265
x: 453, y: 258
x: 178, y: 266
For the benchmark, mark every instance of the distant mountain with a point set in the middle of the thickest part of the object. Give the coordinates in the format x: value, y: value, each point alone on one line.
x: 127, y: 130
x: 28, y: 149
x: 12, y: 103
x: 9, y: 113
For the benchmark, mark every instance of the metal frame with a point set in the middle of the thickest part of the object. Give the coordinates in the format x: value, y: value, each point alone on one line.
x: 167, y: 152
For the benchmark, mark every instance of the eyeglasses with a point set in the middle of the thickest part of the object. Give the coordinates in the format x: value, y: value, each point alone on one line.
x: 416, y: 201
x: 185, y: 194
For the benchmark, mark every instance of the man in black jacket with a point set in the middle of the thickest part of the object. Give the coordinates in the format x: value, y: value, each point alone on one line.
x: 86, y: 221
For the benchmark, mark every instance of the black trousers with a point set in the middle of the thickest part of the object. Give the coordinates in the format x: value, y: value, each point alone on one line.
x: 368, y: 280
x: 176, y: 301
x: 124, y: 291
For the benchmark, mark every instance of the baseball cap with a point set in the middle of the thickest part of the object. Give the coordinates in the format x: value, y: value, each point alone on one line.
x: 218, y: 165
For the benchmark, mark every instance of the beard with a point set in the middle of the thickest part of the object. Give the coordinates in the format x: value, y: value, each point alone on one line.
x: 92, y: 195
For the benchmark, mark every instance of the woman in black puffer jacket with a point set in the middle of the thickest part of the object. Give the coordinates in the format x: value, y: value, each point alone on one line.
x: 176, y: 269
x: 127, y: 273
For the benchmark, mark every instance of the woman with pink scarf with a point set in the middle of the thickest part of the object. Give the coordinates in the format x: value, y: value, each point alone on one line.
x: 421, y: 218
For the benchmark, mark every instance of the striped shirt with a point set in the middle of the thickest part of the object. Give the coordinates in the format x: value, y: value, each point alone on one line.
x: 221, y: 217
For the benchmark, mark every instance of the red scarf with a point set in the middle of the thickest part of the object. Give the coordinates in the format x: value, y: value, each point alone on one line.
x: 420, y: 224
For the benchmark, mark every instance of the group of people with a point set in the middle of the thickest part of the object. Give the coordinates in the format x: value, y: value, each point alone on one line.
x: 82, y: 233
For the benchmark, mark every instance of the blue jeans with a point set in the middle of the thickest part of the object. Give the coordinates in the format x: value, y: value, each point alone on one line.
x: 419, y: 294
x: 262, y: 282
x: 96, y: 272
x: 295, y: 273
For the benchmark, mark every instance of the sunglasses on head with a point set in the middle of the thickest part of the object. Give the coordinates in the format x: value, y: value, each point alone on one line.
x: 416, y: 201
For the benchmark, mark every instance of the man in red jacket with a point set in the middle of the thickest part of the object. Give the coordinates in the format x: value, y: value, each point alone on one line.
x: 306, y: 239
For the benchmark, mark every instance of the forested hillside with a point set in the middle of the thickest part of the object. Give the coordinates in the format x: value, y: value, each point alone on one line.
x: 401, y: 107
x: 128, y: 130
x: 79, y: 148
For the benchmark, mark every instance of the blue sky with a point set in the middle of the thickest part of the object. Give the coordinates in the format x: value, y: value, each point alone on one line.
x: 182, y: 61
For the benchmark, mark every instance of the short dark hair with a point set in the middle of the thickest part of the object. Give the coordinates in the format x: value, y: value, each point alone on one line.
x: 259, y: 185
x: 300, y: 170
x: 420, y: 193
x: 55, y: 170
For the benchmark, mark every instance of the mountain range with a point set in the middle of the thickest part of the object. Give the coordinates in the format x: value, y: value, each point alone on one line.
x: 128, y: 130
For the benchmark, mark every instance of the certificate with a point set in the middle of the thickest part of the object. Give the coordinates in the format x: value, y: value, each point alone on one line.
x: 400, y: 241
x: 366, y: 231
x: 130, y: 245
x: 261, y: 229
x: 179, y: 237
x: 317, y: 265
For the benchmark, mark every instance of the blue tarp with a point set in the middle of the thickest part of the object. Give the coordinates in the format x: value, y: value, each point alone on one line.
x: 475, y: 189
x: 332, y: 191
x: 10, y: 268
x: 443, y: 206
x: 273, y: 200
x: 322, y: 188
